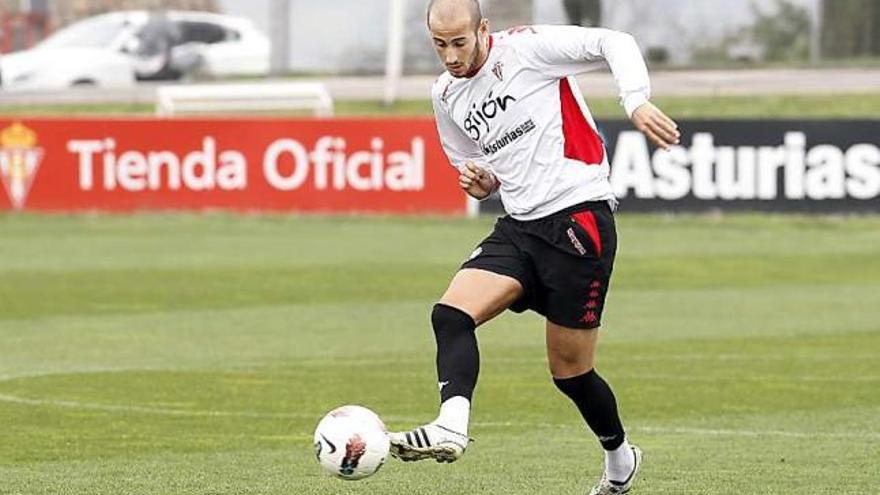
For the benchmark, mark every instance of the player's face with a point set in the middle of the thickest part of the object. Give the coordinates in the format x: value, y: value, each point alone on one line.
x: 459, y: 45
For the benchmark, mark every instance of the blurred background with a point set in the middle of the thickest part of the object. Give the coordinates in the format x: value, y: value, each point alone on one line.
x: 290, y: 218
x: 674, y: 33
x: 351, y: 36
x: 373, y: 56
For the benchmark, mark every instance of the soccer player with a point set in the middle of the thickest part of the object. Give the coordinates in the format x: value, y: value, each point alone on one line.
x: 511, y: 118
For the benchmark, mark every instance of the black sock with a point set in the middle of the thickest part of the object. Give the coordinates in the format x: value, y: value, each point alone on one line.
x: 596, y: 402
x: 458, y: 358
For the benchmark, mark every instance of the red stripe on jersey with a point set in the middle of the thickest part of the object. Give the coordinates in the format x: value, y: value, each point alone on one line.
x: 587, y: 220
x: 581, y: 140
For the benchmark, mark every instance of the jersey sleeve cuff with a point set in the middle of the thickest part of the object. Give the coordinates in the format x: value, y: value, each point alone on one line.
x: 633, y: 101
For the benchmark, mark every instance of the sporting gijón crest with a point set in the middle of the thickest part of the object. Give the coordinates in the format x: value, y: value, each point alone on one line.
x: 20, y: 159
x: 498, y: 70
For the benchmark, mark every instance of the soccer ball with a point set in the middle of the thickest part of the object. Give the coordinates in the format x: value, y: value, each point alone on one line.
x: 351, y: 442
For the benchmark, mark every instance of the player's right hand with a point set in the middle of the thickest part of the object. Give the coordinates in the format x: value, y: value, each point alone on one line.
x: 477, y: 181
x: 660, y: 129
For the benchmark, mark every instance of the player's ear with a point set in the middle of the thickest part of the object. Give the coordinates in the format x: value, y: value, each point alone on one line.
x: 483, y: 28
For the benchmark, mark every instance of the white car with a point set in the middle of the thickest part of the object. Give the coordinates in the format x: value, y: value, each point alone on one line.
x: 117, y: 49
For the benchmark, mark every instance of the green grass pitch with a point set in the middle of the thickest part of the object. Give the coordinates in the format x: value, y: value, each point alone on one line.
x: 194, y: 354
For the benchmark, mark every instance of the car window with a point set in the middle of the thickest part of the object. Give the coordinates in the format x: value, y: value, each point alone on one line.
x: 97, y: 32
x: 156, y: 37
x: 201, y: 32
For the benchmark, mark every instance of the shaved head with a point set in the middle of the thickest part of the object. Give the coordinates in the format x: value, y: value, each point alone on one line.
x: 450, y: 11
x: 460, y: 35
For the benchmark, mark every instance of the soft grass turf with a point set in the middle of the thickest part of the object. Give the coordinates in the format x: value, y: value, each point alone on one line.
x: 188, y: 354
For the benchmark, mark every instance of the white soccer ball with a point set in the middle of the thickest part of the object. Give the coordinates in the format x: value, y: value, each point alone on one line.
x: 351, y: 442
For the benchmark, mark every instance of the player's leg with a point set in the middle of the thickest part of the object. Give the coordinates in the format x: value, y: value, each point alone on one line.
x: 577, y: 259
x: 481, y: 294
x: 474, y: 297
x: 571, y: 354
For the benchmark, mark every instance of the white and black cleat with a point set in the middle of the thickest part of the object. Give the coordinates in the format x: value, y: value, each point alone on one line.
x: 610, y: 487
x: 431, y: 441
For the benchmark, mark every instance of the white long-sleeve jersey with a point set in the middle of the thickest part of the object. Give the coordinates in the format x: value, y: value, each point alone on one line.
x: 522, y: 117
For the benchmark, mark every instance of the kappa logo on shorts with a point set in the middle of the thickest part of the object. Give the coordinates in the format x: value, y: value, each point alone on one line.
x: 575, y: 242
x: 476, y: 253
x: 590, y: 317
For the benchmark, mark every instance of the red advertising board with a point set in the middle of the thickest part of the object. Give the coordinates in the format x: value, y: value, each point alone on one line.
x: 366, y: 165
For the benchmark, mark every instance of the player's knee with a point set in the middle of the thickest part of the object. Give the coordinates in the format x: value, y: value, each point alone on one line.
x: 449, y: 319
x: 567, y: 365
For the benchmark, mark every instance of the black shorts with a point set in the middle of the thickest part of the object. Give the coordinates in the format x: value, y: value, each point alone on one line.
x: 563, y: 262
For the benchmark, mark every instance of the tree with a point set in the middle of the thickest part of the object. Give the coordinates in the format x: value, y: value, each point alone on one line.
x: 779, y: 34
x: 783, y: 35
x: 587, y: 13
x: 850, y: 28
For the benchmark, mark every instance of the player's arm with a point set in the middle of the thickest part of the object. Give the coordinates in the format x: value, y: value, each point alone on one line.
x: 463, y: 154
x: 562, y: 51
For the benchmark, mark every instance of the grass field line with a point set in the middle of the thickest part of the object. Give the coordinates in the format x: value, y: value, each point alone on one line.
x: 316, y: 360
x: 763, y: 378
x: 81, y: 371
x: 663, y: 430
x: 536, y: 361
x: 92, y: 406
x: 800, y: 378
x: 678, y: 430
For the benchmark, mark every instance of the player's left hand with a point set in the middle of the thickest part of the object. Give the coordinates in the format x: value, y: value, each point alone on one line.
x: 660, y: 129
